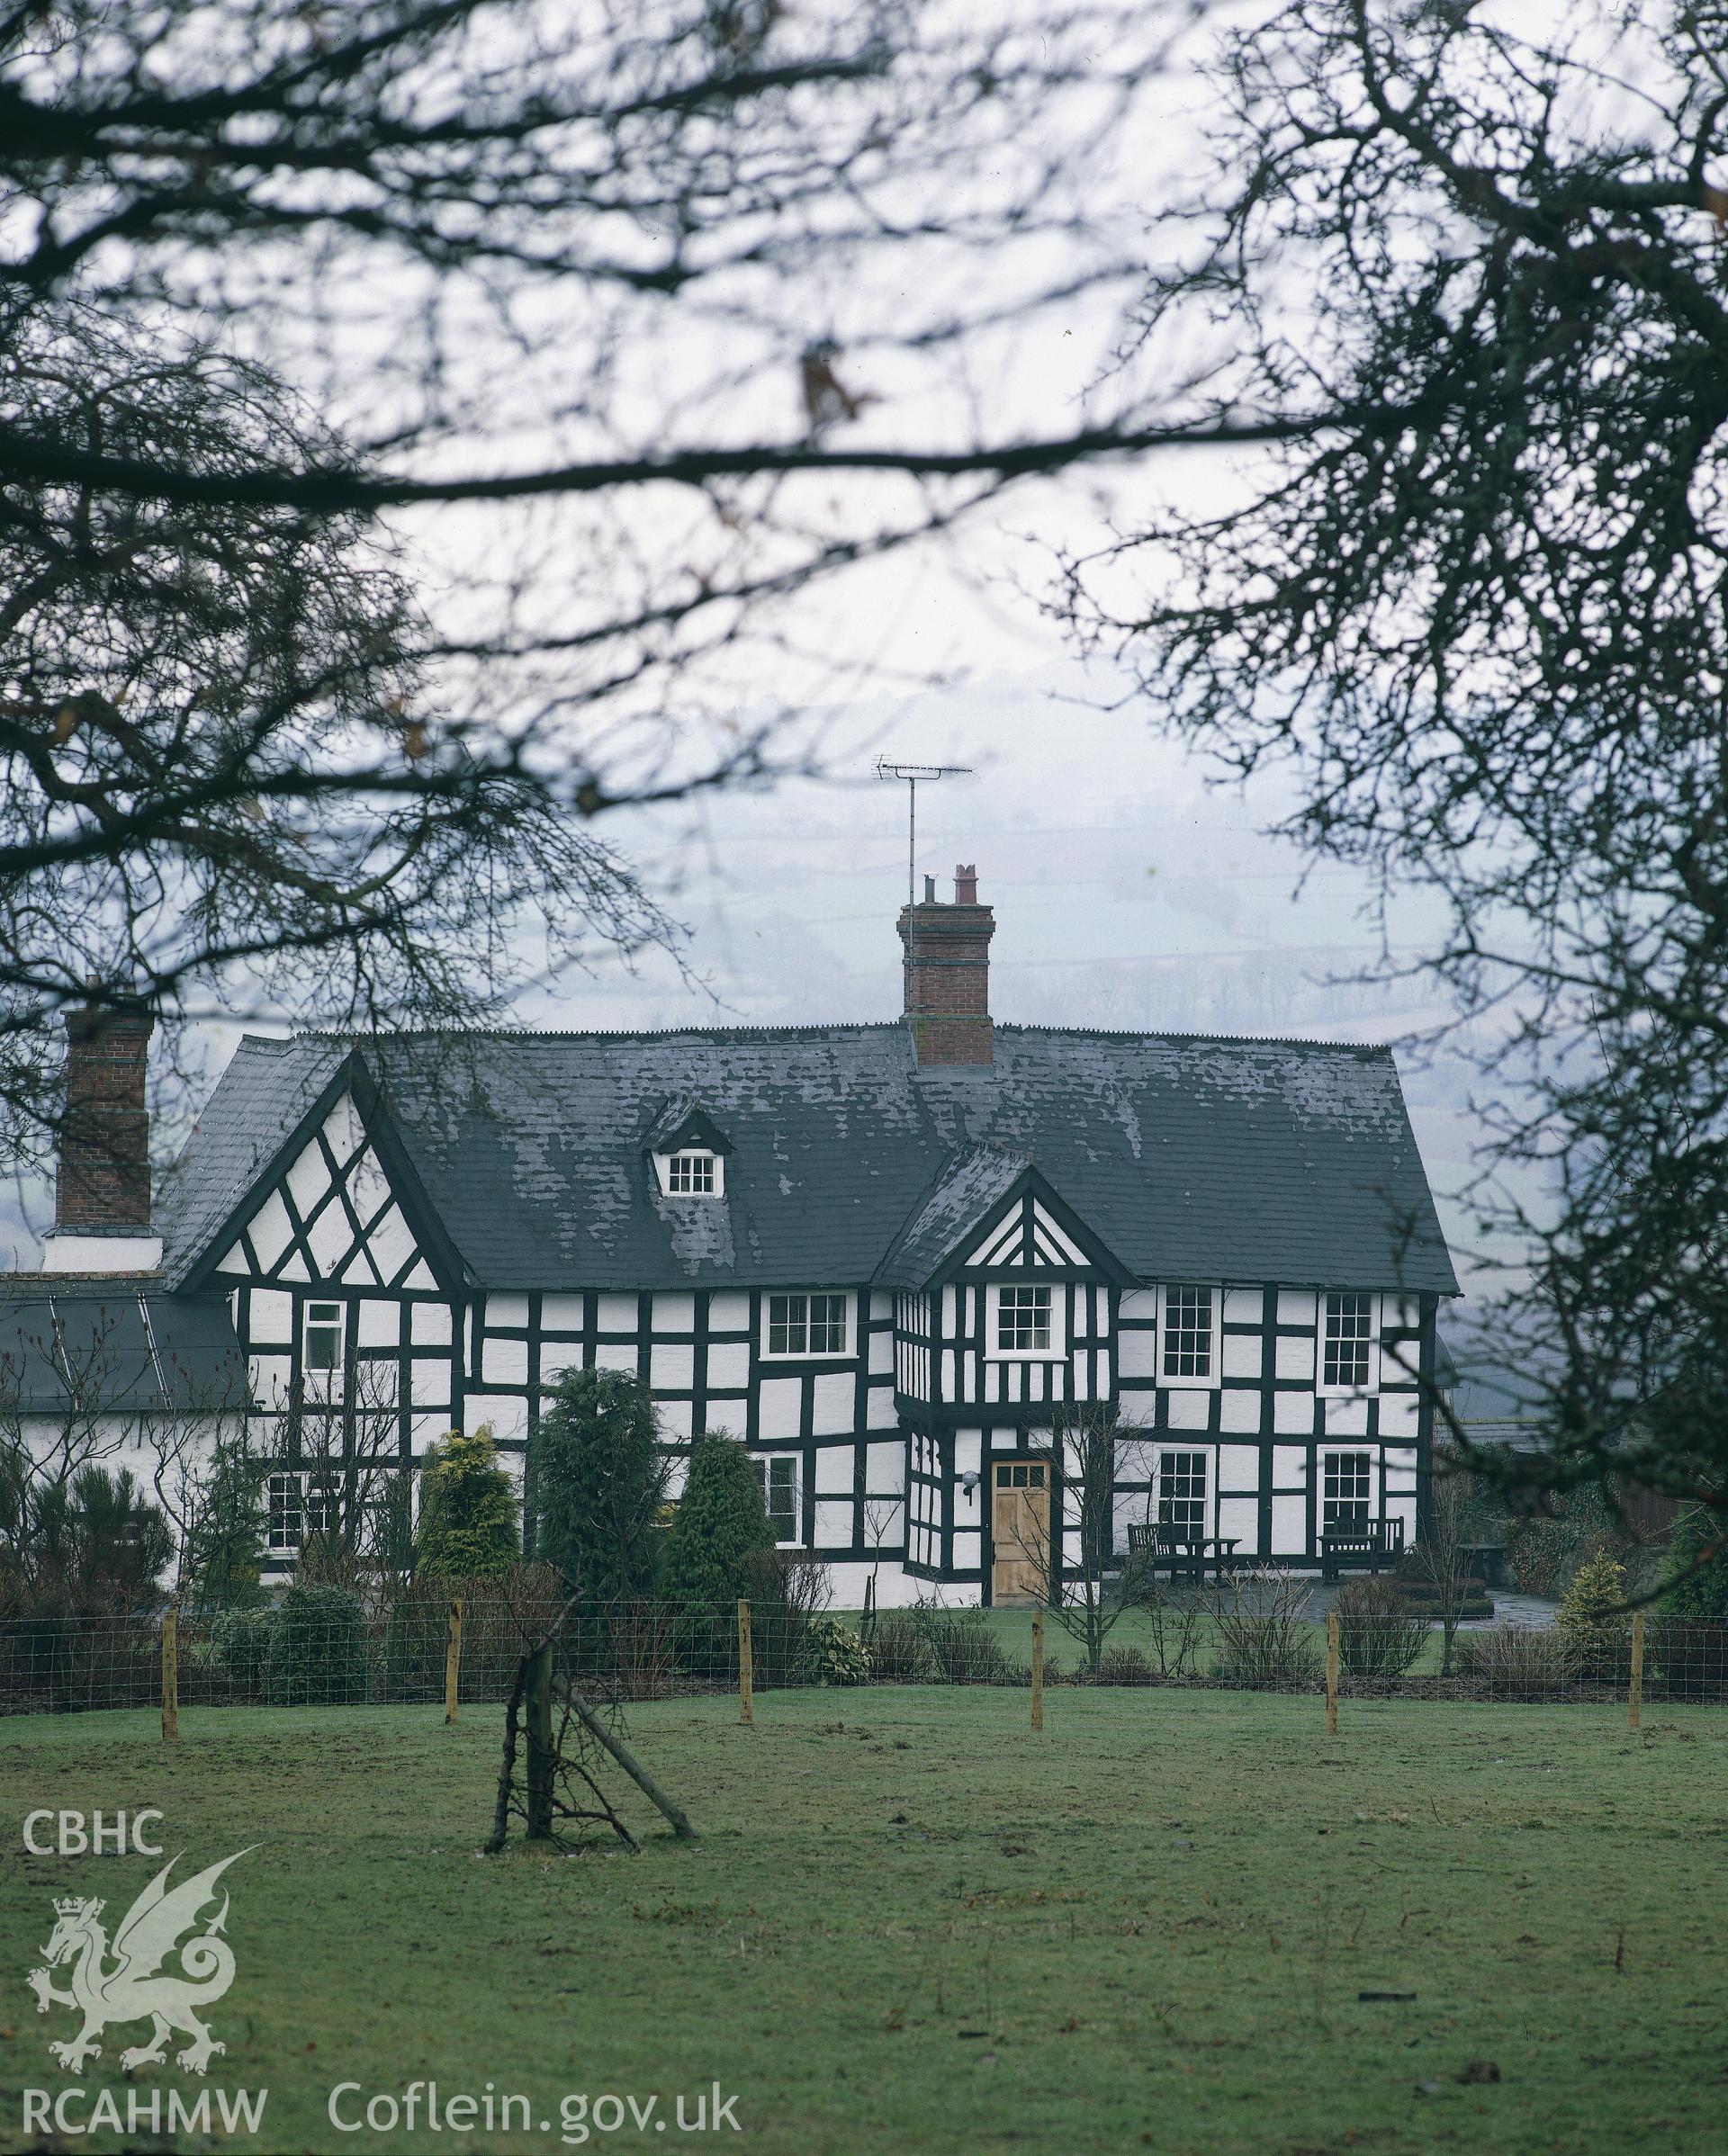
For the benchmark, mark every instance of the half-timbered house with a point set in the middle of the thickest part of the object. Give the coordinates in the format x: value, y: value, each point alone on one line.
x: 890, y: 1259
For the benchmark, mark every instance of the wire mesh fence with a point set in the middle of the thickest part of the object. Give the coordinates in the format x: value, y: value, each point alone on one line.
x: 332, y: 1650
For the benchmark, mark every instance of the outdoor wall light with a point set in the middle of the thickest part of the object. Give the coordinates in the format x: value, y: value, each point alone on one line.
x: 969, y: 1482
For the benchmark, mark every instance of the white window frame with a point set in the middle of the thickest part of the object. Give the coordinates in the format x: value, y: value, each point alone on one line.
x: 1184, y: 1453
x: 323, y: 1381
x: 1322, y: 1314
x: 1329, y: 1456
x: 311, y: 1500
x: 666, y: 1163
x: 994, y: 1352
x: 1215, y: 1351
x: 806, y: 1296
x: 284, y: 1492
x: 763, y: 1465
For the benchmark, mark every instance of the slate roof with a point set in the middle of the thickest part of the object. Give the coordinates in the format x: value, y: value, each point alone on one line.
x: 966, y: 1186
x: 71, y: 1343
x: 1191, y: 1157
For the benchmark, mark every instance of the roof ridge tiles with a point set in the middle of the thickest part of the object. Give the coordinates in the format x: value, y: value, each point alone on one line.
x: 831, y: 1029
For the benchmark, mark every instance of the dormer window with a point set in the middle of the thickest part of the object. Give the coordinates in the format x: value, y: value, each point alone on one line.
x: 692, y: 1171
x: 689, y: 1151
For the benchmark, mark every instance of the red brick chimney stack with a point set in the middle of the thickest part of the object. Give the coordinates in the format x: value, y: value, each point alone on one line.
x: 101, y: 1189
x: 947, y: 974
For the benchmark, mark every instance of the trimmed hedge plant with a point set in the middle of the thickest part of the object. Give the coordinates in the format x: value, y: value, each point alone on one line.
x: 1704, y: 1595
x: 241, y: 1638
x: 319, y: 1653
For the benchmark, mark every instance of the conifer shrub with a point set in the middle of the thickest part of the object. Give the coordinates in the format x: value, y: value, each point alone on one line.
x: 715, y: 1548
x: 1544, y: 1549
x: 319, y: 1655
x: 600, y: 1481
x: 468, y: 1510
x: 225, y: 1554
x: 1593, y: 1620
x: 91, y: 1546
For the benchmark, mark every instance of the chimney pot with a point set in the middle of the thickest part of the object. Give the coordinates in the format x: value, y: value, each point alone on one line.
x: 966, y: 884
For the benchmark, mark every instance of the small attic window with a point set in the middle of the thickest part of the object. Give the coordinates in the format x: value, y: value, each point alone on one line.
x: 688, y: 1150
x: 692, y: 1171
x: 691, y: 1175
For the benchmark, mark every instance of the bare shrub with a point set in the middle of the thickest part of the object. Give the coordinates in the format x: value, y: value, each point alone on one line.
x: 1174, y: 1628
x: 1088, y: 1591
x: 789, y: 1590
x: 499, y: 1612
x: 1518, y: 1661
x: 961, y: 1646
x: 900, y: 1651
x: 1381, y: 1634
x: 644, y: 1650
x: 1124, y: 1666
x: 1440, y: 1563
x: 1263, y: 1637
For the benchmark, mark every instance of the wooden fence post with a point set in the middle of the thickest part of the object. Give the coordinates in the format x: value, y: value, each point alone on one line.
x: 1038, y: 1669
x: 453, y: 1664
x: 746, y: 1671
x: 171, y: 1672
x: 1331, y: 1673
x: 1635, y: 1688
x: 541, y: 1756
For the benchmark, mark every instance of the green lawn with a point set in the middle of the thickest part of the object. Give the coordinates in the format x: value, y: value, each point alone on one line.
x: 1159, y: 1913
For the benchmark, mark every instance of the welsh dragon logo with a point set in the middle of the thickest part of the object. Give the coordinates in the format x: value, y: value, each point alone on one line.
x: 131, y: 1990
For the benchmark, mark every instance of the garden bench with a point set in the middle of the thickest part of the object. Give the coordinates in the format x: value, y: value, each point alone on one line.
x: 1365, y: 1547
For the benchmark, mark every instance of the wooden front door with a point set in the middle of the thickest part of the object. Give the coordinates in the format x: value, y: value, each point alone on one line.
x: 1019, y: 1527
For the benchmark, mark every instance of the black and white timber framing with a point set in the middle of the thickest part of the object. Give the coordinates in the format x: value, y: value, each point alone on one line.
x: 888, y: 1277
